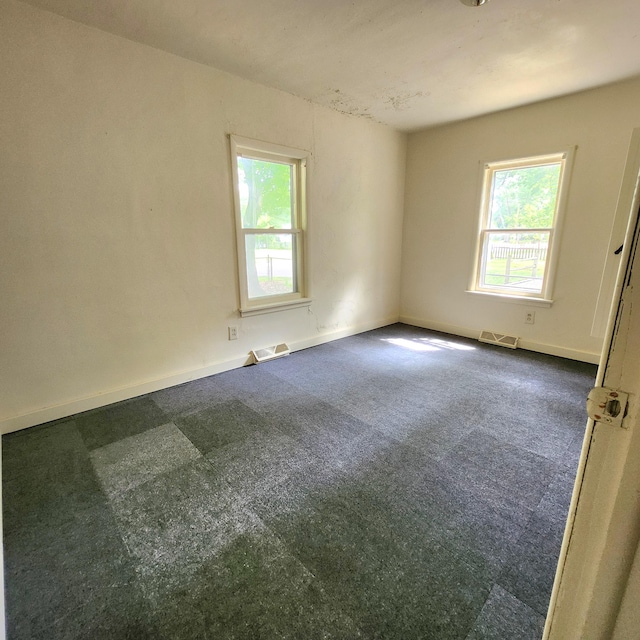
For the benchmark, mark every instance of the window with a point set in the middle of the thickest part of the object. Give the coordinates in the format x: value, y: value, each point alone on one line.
x: 269, y: 186
x: 522, y: 202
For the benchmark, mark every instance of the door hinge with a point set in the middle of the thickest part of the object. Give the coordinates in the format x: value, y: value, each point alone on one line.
x: 607, y: 405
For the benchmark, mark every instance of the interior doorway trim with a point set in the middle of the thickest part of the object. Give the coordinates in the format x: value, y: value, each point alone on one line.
x: 618, y: 230
x: 580, y: 599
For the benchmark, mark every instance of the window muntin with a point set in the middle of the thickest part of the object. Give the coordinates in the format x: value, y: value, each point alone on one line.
x: 521, y: 209
x: 269, y: 185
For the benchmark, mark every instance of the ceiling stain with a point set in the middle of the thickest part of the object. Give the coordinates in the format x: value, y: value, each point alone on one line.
x: 346, y: 104
x: 402, y: 101
x: 384, y: 53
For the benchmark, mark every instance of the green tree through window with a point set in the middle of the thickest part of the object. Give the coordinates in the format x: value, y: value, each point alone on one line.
x: 519, y: 219
x: 525, y: 198
x: 269, y: 213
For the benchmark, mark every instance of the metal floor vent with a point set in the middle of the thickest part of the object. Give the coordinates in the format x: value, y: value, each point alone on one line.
x: 498, y: 338
x: 269, y: 353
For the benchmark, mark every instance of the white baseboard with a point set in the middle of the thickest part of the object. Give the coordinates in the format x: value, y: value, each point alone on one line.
x: 115, y: 395
x: 314, y: 341
x: 31, y: 419
x: 528, y: 345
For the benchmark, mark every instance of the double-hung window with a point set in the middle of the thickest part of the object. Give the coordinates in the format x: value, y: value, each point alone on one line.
x: 522, y: 203
x: 269, y: 193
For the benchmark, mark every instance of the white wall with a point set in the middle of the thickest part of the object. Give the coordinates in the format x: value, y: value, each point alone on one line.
x: 442, y: 207
x: 117, y: 246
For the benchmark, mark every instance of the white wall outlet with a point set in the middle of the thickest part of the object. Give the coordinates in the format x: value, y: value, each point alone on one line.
x: 530, y: 317
x: 233, y: 332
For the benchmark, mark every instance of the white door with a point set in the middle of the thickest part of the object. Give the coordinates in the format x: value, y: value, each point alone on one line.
x: 597, y: 590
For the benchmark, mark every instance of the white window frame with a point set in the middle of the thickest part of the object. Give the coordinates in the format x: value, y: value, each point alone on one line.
x: 544, y: 298
x: 245, y: 147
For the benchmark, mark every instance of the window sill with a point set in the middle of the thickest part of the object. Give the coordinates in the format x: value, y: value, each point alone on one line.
x: 505, y: 297
x: 275, y: 306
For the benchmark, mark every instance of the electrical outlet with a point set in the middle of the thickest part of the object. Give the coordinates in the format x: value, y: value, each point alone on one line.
x: 233, y: 333
x: 530, y: 317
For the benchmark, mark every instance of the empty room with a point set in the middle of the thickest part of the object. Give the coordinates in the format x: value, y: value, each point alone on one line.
x: 301, y: 307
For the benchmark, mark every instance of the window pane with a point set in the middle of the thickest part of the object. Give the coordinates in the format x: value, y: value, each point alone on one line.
x: 524, y: 198
x: 270, y: 259
x: 514, y: 261
x: 265, y: 194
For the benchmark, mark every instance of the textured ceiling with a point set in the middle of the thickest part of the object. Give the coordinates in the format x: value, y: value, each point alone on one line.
x: 407, y: 63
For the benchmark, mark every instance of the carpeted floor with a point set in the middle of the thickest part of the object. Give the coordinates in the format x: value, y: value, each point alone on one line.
x: 397, y: 484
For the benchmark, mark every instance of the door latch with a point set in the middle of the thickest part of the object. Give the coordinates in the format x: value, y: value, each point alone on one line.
x: 607, y: 405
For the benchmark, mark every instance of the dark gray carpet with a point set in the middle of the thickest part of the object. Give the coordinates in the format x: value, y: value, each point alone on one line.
x: 398, y: 484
